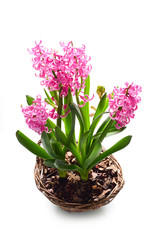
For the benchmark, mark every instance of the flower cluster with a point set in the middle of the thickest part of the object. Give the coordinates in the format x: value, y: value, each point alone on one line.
x: 61, y: 71
x: 123, y: 102
x: 37, y: 114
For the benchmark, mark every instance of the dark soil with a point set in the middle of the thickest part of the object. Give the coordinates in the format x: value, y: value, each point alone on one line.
x: 102, y: 180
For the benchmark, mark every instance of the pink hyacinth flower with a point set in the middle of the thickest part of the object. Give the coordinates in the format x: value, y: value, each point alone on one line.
x: 123, y: 103
x: 53, y: 114
x: 36, y: 115
x: 68, y: 70
x: 85, y: 99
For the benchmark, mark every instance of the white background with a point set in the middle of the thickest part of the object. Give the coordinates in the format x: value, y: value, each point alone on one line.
x: 123, y: 39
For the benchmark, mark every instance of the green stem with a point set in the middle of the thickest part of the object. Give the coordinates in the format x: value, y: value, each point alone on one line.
x: 54, y: 94
x: 59, y: 110
x: 77, y: 94
x: 62, y: 173
x: 84, y: 175
x: 80, y: 133
x: 82, y: 113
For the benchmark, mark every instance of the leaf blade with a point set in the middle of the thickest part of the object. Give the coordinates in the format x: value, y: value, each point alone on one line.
x: 49, y: 99
x: 47, y: 146
x: 29, y: 100
x: 92, y: 128
x: 77, y: 112
x: 61, y: 137
x: 57, y: 147
x: 94, y: 153
x: 65, y: 166
x: 116, y: 147
x: 50, y: 163
x: 102, y: 106
x: 83, y: 144
x: 31, y: 146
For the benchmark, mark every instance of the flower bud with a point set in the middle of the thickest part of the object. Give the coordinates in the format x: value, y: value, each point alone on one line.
x: 100, y: 91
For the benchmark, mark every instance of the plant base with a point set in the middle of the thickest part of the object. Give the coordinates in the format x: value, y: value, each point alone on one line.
x: 71, y: 194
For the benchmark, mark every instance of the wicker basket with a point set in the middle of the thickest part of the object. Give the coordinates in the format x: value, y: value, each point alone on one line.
x: 76, y: 207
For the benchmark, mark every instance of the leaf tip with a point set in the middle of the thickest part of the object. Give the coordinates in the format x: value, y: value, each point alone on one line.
x: 17, y: 132
x: 129, y: 138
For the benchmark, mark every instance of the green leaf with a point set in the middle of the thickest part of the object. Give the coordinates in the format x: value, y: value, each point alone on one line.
x: 60, y: 165
x: 92, y: 128
x: 29, y: 100
x: 94, y: 153
x: 68, y: 123
x: 50, y: 163
x: 83, y: 144
x: 31, y: 146
x: 103, y: 125
x: 106, y: 129
x: 112, y: 128
x: 57, y: 147
x: 102, y: 106
x: 61, y: 137
x: 51, y: 124
x: 96, y: 136
x: 95, y: 122
x: 50, y: 101
x: 65, y: 166
x: 77, y: 112
x: 47, y: 146
x: 100, y: 129
x: 111, y: 131
x: 54, y: 94
x: 116, y: 147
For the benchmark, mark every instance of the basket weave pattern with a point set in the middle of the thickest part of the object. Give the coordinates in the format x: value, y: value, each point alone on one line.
x: 76, y: 207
